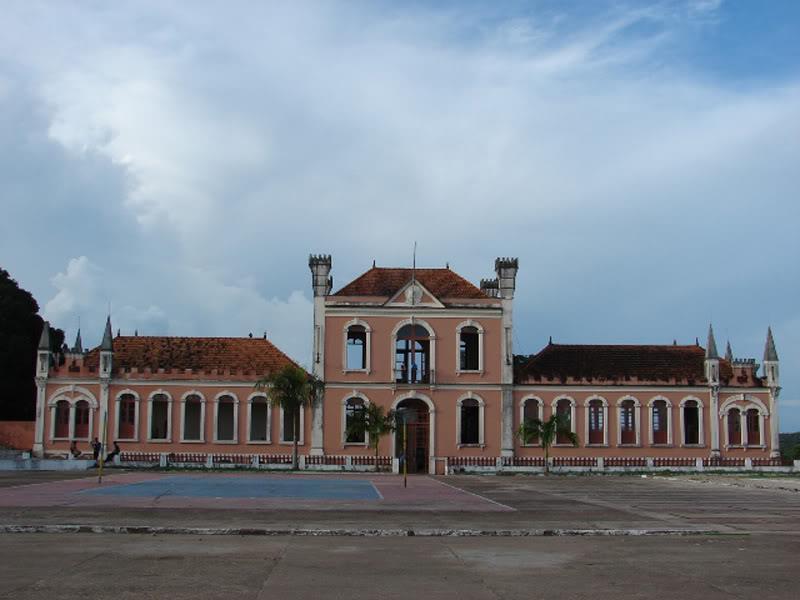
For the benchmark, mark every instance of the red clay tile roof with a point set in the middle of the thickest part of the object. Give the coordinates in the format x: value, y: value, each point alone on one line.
x: 381, y: 281
x: 593, y: 363
x: 198, y: 353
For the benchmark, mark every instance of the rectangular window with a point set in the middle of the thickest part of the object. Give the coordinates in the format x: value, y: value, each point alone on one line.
x: 288, y: 426
x: 159, y: 419
x: 258, y: 421
x: 356, y: 347
x: 470, y: 422
x: 468, y: 349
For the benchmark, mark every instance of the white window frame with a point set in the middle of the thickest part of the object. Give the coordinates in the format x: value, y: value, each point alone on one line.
x: 572, y: 424
x: 742, y: 426
x: 117, y: 413
x: 604, y: 402
x: 479, y: 327
x: 749, y: 402
x: 637, y: 421
x: 184, y: 399
x: 414, y: 395
x: 367, y: 349
x: 431, y: 358
x: 365, y: 400
x: 71, y: 401
x: 540, y: 409
x: 481, y: 420
x: 282, y: 438
x: 258, y: 397
x: 150, y: 399
x: 701, y: 434
x: 650, y: 410
x: 217, y: 399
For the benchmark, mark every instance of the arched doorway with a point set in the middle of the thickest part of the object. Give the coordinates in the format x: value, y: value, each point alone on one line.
x: 413, y: 438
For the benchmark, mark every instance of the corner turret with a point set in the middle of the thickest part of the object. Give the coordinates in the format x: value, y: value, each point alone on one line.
x: 320, y: 265
x: 771, y: 371
x: 43, y: 353
x: 712, y: 359
x: 506, y: 269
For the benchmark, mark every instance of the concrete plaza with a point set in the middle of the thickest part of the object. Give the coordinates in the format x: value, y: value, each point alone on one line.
x: 733, y: 537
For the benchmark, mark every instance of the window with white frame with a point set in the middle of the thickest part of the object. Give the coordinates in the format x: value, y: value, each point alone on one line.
x: 597, y: 423
x: 469, y: 346
x: 734, y: 422
x: 62, y: 410
x: 564, y: 408
x: 691, y: 422
x: 287, y: 425
x: 753, y: 427
x: 660, y: 422
x: 356, y: 348
x: 470, y: 421
x: 193, y: 413
x: 159, y: 417
x: 226, y: 419
x: 627, y: 423
x: 81, y: 426
x: 259, y: 419
x: 126, y: 428
x: 353, y: 413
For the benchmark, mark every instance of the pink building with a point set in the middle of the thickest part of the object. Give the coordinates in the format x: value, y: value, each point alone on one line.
x: 435, y: 346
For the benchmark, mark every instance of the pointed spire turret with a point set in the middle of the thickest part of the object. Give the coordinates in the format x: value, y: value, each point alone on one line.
x: 78, y: 349
x: 711, y: 346
x: 108, y: 340
x: 728, y: 352
x: 44, y: 341
x: 770, y: 354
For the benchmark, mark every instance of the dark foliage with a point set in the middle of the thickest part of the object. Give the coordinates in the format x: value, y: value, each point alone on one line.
x: 790, y: 445
x: 20, y: 330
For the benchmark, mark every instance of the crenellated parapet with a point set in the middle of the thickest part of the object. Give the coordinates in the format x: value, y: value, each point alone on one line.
x: 506, y: 269
x: 320, y: 265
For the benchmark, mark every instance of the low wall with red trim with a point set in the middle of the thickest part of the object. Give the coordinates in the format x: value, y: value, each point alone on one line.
x: 17, y: 434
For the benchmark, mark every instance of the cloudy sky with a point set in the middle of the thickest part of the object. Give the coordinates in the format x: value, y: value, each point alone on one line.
x: 179, y: 161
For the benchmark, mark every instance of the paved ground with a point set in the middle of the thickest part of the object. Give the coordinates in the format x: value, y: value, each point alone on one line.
x: 123, y: 567
x: 755, y: 556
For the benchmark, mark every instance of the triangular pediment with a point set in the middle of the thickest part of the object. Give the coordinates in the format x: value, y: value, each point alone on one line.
x: 414, y: 293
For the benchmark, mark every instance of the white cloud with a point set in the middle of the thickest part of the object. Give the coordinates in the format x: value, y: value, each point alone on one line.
x: 78, y: 290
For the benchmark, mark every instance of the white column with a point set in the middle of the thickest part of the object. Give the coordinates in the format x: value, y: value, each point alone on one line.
x: 318, y: 369
x: 38, y: 441
x: 774, y: 424
x: 507, y: 378
x: 713, y: 415
x: 103, y: 418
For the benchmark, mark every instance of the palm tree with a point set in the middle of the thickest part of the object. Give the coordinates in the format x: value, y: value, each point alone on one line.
x: 545, y: 432
x: 373, y: 422
x: 291, y: 388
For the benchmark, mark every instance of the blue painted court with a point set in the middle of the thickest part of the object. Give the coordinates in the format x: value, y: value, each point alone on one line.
x: 243, y: 487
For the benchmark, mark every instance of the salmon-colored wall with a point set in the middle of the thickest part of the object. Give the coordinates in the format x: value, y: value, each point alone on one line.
x: 675, y: 448
x: 177, y: 390
x: 446, y: 441
x: 17, y: 434
x: 382, y: 351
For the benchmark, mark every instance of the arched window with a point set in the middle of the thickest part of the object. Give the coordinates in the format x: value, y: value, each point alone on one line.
x: 734, y: 419
x: 353, y: 410
x: 469, y: 349
x: 126, y: 429
x: 627, y: 422
x: 660, y: 422
x: 753, y: 427
x: 531, y: 410
x: 596, y: 422
x: 159, y: 417
x: 259, y: 419
x: 691, y: 422
x: 225, y: 407
x: 62, y: 420
x: 412, y: 355
x: 564, y: 408
x: 81, y: 420
x: 193, y: 417
x: 356, y: 348
x: 470, y: 421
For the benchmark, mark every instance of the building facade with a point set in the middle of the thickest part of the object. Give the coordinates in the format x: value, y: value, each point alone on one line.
x: 436, y: 348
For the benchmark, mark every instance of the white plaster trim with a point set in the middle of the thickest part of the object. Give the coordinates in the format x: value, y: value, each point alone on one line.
x: 431, y: 338
x: 184, y: 399
x: 636, y: 420
x: 393, y: 301
x: 745, y: 398
x: 539, y: 409
x: 572, y: 404
x: 367, y: 349
x: 650, y: 409
x: 118, y: 403
x: 604, y: 402
x: 701, y: 434
x: 71, y: 402
x: 150, y: 398
x: 479, y: 327
x: 343, y: 436
x: 481, y: 418
x: 217, y: 398
x: 258, y: 397
x: 72, y: 393
x: 483, y: 311
x: 413, y: 395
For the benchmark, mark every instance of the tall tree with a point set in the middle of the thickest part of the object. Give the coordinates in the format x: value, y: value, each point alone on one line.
x: 545, y: 434
x: 291, y: 388
x: 20, y: 329
x: 374, y: 423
